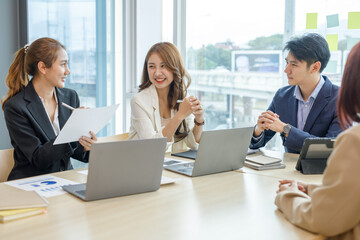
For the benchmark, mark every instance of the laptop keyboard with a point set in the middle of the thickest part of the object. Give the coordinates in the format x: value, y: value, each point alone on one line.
x: 188, y: 165
x: 81, y: 192
x: 185, y: 168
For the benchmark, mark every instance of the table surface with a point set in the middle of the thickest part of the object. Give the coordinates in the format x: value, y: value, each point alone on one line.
x: 231, y: 205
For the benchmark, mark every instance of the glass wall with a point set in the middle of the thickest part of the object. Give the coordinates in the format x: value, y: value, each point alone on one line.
x: 338, y: 22
x: 233, y: 48
x: 234, y: 51
x: 90, y: 49
x: 234, y: 58
x: 86, y: 28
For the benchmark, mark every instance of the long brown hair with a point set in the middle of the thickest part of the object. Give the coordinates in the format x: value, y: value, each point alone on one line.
x: 26, y: 64
x: 178, y: 88
x: 349, y: 98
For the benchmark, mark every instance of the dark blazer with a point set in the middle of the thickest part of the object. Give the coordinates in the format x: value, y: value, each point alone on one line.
x: 321, y: 122
x: 32, y: 135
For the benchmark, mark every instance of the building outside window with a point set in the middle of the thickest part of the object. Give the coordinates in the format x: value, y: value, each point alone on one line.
x: 234, y: 51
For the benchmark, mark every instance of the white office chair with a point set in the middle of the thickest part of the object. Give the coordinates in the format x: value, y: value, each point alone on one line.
x: 6, y: 163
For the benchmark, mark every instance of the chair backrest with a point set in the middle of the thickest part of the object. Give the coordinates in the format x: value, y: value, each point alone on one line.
x: 6, y: 163
x: 119, y: 137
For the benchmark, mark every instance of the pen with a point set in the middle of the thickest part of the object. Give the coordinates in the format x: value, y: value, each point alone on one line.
x: 67, y: 106
x: 179, y: 101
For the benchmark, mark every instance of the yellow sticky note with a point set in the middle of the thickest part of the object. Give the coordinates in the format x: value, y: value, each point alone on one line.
x: 332, y: 40
x: 311, y: 20
x: 354, y: 20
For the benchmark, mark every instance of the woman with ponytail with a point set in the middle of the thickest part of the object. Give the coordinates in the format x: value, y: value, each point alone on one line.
x: 34, y: 114
x: 162, y: 107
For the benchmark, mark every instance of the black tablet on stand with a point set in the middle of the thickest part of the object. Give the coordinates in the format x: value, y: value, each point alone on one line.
x: 314, y: 155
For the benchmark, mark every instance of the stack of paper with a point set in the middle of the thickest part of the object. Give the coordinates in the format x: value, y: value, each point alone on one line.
x: 261, y: 162
x: 20, y: 204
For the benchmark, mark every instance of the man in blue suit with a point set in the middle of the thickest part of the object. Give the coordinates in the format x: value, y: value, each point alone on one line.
x: 307, y: 107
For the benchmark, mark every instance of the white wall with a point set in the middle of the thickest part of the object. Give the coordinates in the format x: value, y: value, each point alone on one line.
x: 9, y: 43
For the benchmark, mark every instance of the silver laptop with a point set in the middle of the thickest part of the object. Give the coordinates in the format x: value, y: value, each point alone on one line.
x: 219, y: 151
x: 122, y: 168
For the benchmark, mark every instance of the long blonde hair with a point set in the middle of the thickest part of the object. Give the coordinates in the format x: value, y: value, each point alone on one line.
x: 26, y: 64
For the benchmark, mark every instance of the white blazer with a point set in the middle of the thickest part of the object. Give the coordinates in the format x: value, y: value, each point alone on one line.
x: 146, y: 121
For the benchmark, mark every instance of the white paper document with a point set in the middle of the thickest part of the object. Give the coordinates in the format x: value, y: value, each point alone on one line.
x: 164, y: 180
x: 46, y: 186
x: 167, y: 180
x: 82, y: 121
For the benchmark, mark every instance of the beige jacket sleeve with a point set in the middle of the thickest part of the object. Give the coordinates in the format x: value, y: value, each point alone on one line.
x: 332, y: 208
x: 189, y: 141
x: 143, y: 120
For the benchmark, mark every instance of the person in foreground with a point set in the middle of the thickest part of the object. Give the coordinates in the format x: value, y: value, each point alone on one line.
x: 333, y: 207
x: 306, y: 108
x: 34, y: 114
x: 156, y: 110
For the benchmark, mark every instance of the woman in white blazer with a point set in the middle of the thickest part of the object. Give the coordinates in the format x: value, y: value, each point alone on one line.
x: 333, y: 207
x: 162, y: 107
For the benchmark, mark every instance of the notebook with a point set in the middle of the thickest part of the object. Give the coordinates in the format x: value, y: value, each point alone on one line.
x: 260, y: 167
x: 19, y: 199
x: 13, y: 214
x: 219, y: 151
x: 122, y: 168
x: 263, y: 162
x: 16, y: 204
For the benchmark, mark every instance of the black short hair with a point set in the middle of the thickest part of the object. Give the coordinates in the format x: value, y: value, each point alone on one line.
x: 310, y: 47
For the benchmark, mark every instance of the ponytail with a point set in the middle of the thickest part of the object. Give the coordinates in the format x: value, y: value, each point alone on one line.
x: 26, y: 62
x: 17, y: 78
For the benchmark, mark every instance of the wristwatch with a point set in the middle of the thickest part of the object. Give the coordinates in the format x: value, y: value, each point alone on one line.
x: 199, y: 124
x: 286, y: 130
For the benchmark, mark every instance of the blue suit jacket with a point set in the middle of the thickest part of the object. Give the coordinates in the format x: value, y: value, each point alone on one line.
x: 321, y: 122
x: 32, y: 135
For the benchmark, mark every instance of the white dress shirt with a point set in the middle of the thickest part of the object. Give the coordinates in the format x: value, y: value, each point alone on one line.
x: 55, y: 125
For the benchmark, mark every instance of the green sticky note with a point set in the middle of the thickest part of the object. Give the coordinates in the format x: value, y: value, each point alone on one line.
x: 311, y: 20
x: 351, y: 43
x: 332, y: 20
x: 354, y: 20
x: 332, y: 40
x: 331, y: 67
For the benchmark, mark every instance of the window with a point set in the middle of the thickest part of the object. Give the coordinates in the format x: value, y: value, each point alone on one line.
x: 234, y: 51
x: 86, y: 28
x: 233, y: 54
x: 142, y: 29
x: 330, y: 18
x: 90, y: 48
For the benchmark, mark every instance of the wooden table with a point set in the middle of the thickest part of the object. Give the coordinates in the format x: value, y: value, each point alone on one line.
x: 229, y: 205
